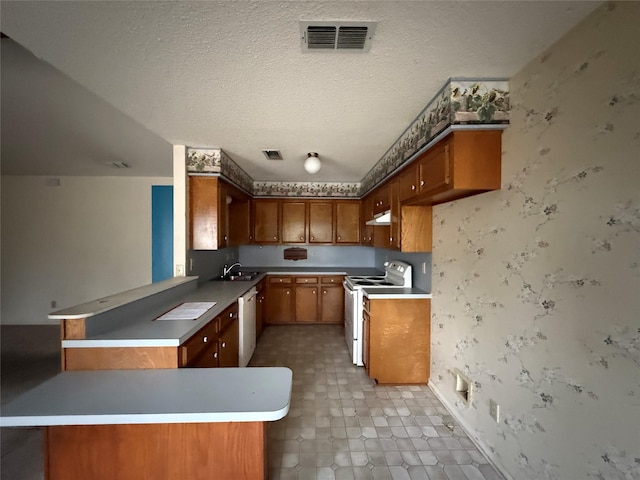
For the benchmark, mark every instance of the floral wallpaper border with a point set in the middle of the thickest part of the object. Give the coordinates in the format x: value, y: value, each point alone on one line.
x: 459, y: 102
x: 306, y: 189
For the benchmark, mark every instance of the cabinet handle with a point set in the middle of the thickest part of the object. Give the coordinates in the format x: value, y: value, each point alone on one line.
x: 224, y: 344
x: 325, y: 292
x: 288, y: 292
x: 231, y: 315
x: 215, y: 355
x: 312, y: 237
x: 301, y: 237
x: 314, y: 292
x: 421, y: 183
x: 275, y: 238
x: 205, y: 339
x: 413, y: 187
x: 339, y: 237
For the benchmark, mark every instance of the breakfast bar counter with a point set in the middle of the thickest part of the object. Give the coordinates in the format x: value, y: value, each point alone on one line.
x: 163, y: 424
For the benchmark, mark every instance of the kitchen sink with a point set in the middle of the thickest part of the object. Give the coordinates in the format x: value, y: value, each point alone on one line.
x: 237, y: 277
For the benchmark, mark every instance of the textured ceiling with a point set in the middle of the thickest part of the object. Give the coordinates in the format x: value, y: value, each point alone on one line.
x: 125, y: 80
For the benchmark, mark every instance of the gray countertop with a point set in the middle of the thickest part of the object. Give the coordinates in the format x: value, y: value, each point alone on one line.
x: 145, y: 331
x: 154, y: 396
x: 395, y: 293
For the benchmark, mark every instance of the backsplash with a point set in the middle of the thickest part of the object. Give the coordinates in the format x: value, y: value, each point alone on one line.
x: 416, y: 260
x: 317, y: 256
x: 535, y: 286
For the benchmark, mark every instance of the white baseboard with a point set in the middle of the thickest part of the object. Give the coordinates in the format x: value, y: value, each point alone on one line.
x: 480, y: 445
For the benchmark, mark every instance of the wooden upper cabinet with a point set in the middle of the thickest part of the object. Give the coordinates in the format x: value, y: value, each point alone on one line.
x: 347, y: 220
x: 294, y: 222
x: 366, y: 214
x: 465, y: 163
x: 396, y: 218
x: 381, y: 200
x: 266, y: 221
x: 207, y: 213
x: 408, y: 182
x: 320, y: 222
x: 239, y: 216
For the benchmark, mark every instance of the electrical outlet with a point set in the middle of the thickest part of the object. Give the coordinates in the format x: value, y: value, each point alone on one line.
x: 424, y: 267
x: 494, y: 410
x: 190, y: 265
x: 179, y: 270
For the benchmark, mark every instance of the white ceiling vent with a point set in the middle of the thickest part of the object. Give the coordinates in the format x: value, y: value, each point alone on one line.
x: 320, y: 36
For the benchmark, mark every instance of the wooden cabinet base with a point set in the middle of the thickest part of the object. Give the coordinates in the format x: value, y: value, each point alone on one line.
x: 193, y: 451
x: 119, y: 358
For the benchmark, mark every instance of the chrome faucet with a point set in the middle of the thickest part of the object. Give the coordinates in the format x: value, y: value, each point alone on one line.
x: 226, y: 270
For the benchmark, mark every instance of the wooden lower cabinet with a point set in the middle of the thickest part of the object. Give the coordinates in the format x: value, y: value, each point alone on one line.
x: 331, y: 304
x: 305, y: 299
x: 214, y: 345
x: 397, y: 336
x: 280, y: 300
x: 261, y: 307
x: 194, y: 451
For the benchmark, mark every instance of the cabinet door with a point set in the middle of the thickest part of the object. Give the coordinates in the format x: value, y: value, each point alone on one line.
x: 395, y: 239
x: 408, y: 182
x: 239, y: 217
x: 320, y: 222
x: 366, y: 335
x: 332, y: 304
x: 307, y: 303
x: 366, y: 214
x: 381, y: 199
x: 203, y: 213
x: 294, y: 221
x: 347, y: 222
x: 228, y: 343
x: 280, y: 304
x: 266, y: 221
x: 208, y: 359
x: 435, y: 168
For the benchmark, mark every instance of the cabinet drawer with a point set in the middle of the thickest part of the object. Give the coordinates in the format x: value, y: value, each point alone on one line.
x: 306, y: 279
x: 331, y: 279
x: 277, y: 279
x: 227, y: 317
x: 192, y: 348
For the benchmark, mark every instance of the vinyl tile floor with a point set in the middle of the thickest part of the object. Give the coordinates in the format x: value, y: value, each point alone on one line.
x: 340, y: 425
x: 343, y: 426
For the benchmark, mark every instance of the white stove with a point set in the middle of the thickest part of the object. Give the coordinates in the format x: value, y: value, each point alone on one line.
x: 397, y: 275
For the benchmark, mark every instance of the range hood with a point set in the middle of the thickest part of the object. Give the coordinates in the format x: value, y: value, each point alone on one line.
x: 383, y: 218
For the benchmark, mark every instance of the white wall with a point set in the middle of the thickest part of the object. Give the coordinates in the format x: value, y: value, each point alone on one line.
x: 536, y: 287
x: 87, y: 238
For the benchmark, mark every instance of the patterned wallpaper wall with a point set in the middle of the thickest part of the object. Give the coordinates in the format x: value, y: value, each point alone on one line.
x: 537, y: 287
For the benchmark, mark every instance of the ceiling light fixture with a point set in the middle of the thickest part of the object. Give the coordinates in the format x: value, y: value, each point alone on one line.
x: 312, y: 163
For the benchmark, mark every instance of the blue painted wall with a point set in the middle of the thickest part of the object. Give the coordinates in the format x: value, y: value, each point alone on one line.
x: 161, y: 232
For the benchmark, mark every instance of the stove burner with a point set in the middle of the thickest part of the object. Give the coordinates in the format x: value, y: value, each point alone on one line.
x: 364, y: 282
x: 376, y: 278
x: 386, y: 283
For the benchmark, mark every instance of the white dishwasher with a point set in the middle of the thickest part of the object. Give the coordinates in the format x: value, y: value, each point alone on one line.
x: 247, y: 326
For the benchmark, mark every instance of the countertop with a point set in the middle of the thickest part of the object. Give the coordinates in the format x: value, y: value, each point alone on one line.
x: 106, y: 397
x: 145, y: 331
x: 395, y: 293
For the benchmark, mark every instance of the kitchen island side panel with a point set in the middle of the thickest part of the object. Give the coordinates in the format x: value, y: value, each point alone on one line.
x: 194, y: 451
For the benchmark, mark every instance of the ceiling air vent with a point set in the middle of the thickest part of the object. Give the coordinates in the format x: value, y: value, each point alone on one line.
x: 336, y: 35
x: 272, y: 154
